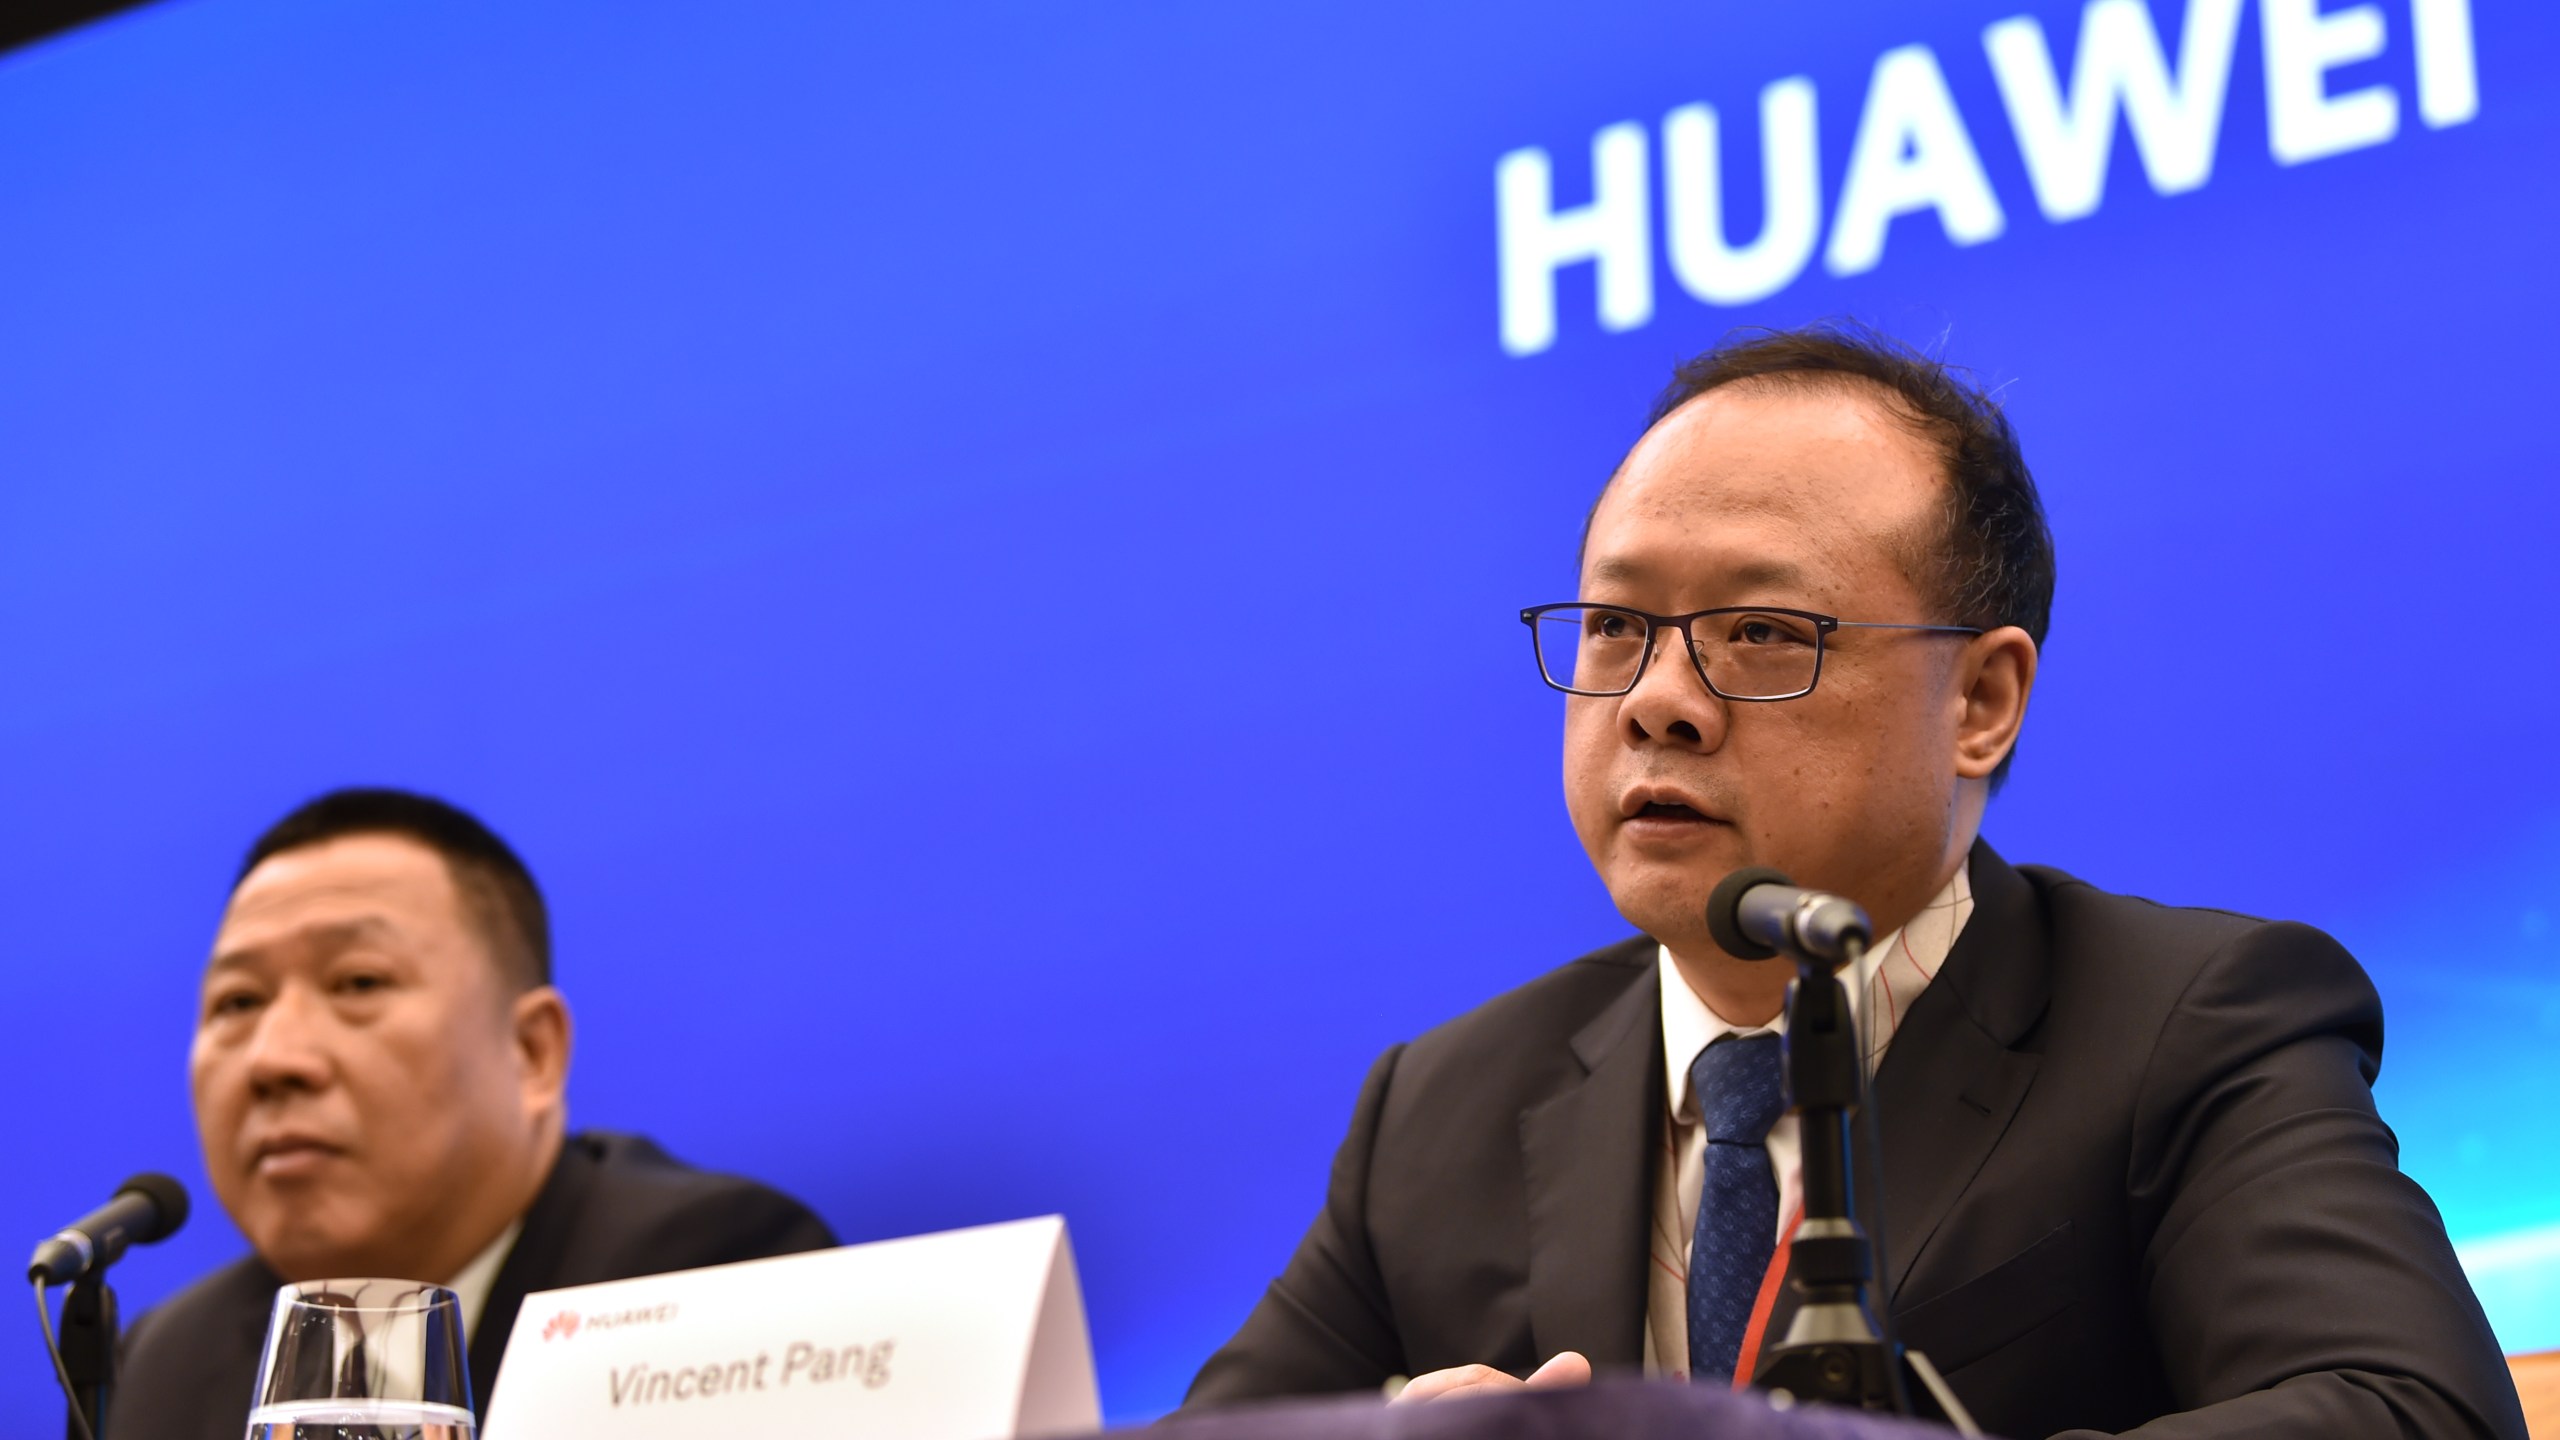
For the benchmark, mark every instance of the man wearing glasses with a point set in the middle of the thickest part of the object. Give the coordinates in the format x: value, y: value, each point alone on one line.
x: 2132, y: 1167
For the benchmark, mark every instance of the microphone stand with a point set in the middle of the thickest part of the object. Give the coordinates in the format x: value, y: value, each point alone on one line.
x: 88, y: 1346
x: 1835, y: 1351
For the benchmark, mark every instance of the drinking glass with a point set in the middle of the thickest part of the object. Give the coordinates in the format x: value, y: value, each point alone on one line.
x: 363, y: 1360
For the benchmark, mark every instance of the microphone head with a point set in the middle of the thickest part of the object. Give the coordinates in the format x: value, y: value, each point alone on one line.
x: 1724, y: 911
x: 168, y: 1205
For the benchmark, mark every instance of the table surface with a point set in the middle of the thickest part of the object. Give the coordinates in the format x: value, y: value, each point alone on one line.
x: 1614, y: 1409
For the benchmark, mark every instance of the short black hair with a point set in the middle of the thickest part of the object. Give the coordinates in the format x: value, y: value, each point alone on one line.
x: 1994, y: 564
x: 495, y: 886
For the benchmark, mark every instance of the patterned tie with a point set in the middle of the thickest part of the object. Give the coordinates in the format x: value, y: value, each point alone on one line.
x: 1739, y: 1093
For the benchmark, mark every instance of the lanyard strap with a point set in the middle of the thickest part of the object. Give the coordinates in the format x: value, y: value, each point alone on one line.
x: 1749, y: 1358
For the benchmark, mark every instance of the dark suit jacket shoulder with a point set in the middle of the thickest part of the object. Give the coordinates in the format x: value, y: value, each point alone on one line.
x: 618, y: 1206
x: 1470, y: 1075
x: 614, y: 1206
x: 1477, y: 1150
x: 2134, y: 1172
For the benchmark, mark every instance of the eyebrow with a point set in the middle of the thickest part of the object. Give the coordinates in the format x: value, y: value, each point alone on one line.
x: 336, y: 936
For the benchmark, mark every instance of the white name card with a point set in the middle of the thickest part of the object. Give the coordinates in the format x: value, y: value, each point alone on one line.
x: 967, y: 1335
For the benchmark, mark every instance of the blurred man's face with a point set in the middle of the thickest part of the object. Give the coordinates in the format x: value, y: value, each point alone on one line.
x: 362, y: 1090
x: 1755, y: 494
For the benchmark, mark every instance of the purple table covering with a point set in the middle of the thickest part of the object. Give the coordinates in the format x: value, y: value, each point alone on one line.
x: 1609, y: 1410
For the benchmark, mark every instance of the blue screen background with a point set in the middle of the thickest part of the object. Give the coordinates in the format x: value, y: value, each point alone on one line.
x: 974, y: 549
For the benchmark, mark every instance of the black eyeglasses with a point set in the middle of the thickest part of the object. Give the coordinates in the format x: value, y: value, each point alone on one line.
x: 1750, y: 652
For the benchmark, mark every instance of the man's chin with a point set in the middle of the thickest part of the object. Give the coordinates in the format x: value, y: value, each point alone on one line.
x: 1654, y: 890
x: 1671, y: 916
x: 304, y: 1250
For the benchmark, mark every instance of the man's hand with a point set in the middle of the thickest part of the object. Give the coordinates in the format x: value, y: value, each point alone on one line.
x: 1567, y: 1368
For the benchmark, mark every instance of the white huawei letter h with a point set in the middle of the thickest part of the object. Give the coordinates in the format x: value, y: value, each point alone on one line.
x: 1614, y: 232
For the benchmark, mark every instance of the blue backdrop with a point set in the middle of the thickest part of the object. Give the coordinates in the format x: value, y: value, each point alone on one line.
x: 974, y: 547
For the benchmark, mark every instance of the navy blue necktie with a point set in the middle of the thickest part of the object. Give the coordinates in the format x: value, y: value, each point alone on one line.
x: 1740, y: 1095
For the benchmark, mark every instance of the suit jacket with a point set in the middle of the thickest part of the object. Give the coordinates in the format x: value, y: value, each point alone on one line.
x: 2132, y: 1171
x: 615, y: 1206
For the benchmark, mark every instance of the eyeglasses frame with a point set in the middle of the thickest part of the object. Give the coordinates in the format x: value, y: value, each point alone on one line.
x: 1823, y: 625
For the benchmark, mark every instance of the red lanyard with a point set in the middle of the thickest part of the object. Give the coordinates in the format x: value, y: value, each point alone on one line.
x: 1770, y: 1284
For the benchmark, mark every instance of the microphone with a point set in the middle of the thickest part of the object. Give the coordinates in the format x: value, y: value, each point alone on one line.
x: 145, y: 1209
x: 1755, y: 912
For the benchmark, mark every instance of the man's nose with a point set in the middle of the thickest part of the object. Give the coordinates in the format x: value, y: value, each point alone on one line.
x: 288, y: 1050
x: 1671, y: 703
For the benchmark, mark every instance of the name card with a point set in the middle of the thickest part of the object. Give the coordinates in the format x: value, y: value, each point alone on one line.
x: 967, y: 1335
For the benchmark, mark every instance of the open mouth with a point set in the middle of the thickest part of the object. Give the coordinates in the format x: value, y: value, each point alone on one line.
x: 1667, y: 810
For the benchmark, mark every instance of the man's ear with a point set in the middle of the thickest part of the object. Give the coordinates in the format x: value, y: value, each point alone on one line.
x: 541, y: 1022
x: 1994, y: 680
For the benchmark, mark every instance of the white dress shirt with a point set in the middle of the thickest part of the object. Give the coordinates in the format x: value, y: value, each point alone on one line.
x: 394, y: 1347
x: 472, y: 1286
x: 1883, y: 986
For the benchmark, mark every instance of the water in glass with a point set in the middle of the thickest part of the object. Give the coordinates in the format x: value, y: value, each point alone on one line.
x: 363, y: 1360
x: 359, y: 1420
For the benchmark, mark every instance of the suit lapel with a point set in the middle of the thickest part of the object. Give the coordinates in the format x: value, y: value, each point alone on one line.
x: 1588, y: 1154
x: 1950, y: 1083
x: 532, y: 1263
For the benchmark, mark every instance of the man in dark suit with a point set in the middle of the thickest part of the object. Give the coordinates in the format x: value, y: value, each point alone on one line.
x: 2133, y: 1174
x: 379, y: 1077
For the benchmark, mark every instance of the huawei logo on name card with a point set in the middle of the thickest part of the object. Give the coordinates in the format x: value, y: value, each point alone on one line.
x: 567, y: 1323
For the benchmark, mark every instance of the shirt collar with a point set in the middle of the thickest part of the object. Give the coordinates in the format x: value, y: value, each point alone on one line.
x: 1688, y: 1026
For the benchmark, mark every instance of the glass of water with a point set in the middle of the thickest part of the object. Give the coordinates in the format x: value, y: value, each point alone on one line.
x: 363, y: 1360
